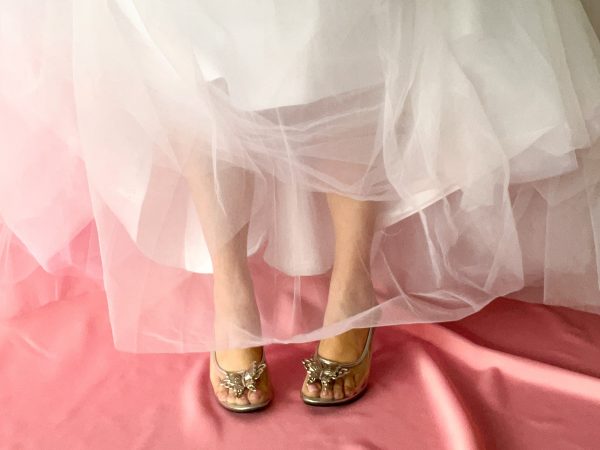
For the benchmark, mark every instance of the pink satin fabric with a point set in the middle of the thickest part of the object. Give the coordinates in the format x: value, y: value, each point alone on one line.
x: 514, y: 376
x: 478, y: 135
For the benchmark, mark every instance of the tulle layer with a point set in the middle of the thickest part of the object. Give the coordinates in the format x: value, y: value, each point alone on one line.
x: 140, y: 136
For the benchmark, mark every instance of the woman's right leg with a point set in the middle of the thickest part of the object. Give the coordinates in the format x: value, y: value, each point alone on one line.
x: 224, y: 208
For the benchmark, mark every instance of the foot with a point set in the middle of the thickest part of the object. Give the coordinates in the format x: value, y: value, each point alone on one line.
x: 236, y: 360
x: 350, y: 293
x: 344, y: 348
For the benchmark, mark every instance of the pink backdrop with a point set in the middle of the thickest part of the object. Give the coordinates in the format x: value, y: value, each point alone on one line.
x: 514, y: 376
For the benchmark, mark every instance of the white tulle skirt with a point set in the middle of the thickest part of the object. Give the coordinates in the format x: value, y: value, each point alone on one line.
x: 137, y: 136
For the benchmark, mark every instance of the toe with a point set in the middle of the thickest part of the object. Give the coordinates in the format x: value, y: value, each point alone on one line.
x: 359, y: 380
x: 349, y: 386
x: 231, y: 397
x: 243, y: 400
x: 256, y: 397
x: 326, y: 392
x: 222, y: 394
x: 221, y: 388
x: 338, y: 390
x: 312, y: 389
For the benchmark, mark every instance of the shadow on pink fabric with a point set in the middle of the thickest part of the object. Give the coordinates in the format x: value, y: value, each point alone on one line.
x: 513, y: 376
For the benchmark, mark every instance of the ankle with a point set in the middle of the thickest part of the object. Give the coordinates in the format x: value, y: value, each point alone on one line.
x: 236, y: 311
x: 346, y: 347
x: 239, y: 358
x: 349, y: 296
x: 347, y: 271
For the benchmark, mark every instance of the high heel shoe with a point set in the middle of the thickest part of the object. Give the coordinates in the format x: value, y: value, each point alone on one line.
x: 241, y: 382
x: 327, y: 371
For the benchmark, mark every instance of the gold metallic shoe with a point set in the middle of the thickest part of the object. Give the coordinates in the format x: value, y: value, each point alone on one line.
x: 241, y: 382
x: 327, y: 371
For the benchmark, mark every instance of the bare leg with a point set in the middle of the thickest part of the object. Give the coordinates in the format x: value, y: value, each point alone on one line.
x: 350, y: 290
x: 235, y: 304
x: 235, y: 308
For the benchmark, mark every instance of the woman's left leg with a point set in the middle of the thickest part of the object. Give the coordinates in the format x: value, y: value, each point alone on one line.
x: 350, y: 291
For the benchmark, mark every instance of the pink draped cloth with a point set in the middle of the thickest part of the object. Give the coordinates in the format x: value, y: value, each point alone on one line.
x: 513, y: 376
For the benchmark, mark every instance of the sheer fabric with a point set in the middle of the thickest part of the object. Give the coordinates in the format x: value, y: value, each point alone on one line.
x: 139, y: 135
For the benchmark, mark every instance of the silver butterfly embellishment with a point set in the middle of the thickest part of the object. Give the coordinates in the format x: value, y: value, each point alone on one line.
x: 240, y: 381
x: 325, y: 373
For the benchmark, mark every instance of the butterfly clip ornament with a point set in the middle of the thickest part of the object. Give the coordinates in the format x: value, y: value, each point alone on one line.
x: 326, y: 374
x: 245, y: 379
